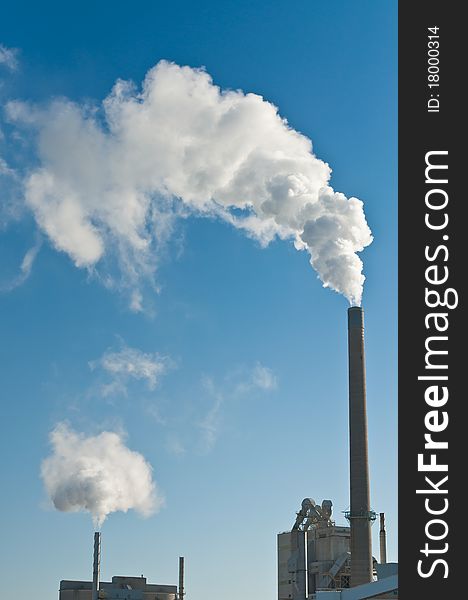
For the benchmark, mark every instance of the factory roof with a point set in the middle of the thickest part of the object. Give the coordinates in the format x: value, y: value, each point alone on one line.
x: 119, y: 582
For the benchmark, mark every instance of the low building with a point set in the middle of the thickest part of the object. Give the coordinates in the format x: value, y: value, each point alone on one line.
x: 120, y: 588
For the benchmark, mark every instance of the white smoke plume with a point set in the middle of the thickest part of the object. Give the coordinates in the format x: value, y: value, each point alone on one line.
x: 110, y: 179
x: 97, y: 474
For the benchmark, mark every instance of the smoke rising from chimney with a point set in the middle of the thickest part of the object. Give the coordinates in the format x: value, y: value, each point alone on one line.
x: 112, y: 180
x: 97, y: 474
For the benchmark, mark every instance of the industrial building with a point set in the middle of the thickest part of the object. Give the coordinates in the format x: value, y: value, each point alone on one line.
x: 314, y: 554
x: 314, y: 559
x: 318, y: 560
x: 120, y: 588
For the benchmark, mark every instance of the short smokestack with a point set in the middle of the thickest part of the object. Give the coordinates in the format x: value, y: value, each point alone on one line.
x: 383, y: 540
x: 360, y: 515
x: 96, y: 565
x: 181, y: 578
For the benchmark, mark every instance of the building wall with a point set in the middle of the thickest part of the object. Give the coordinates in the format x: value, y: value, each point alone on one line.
x: 75, y: 595
x: 292, y: 565
x: 285, y: 550
x: 117, y: 589
x: 111, y: 594
x: 328, y: 543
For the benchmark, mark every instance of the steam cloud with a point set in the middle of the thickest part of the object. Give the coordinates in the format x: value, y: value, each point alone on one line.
x: 98, y: 474
x: 112, y: 180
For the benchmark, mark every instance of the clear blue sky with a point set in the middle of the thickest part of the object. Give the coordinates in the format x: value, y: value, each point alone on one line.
x: 225, y: 308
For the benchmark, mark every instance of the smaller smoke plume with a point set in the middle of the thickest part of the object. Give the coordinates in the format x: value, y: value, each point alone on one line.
x: 97, y: 474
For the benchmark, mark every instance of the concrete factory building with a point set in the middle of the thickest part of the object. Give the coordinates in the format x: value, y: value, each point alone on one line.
x: 314, y: 554
x: 120, y: 588
x: 314, y: 560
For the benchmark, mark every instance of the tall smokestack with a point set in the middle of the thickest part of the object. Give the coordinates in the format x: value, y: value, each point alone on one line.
x: 181, y: 578
x: 96, y: 565
x: 360, y: 515
x: 383, y: 540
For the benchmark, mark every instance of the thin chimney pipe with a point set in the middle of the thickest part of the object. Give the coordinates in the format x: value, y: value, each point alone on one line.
x: 181, y: 578
x: 383, y: 540
x: 96, y: 565
x: 360, y: 515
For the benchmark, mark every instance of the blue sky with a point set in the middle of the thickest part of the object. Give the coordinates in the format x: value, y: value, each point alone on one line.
x: 250, y: 413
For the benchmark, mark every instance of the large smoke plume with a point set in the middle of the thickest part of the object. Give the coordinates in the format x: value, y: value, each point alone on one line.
x: 110, y: 180
x: 98, y: 474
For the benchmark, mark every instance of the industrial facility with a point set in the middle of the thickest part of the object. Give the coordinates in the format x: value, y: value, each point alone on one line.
x: 318, y: 560
x: 120, y: 588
